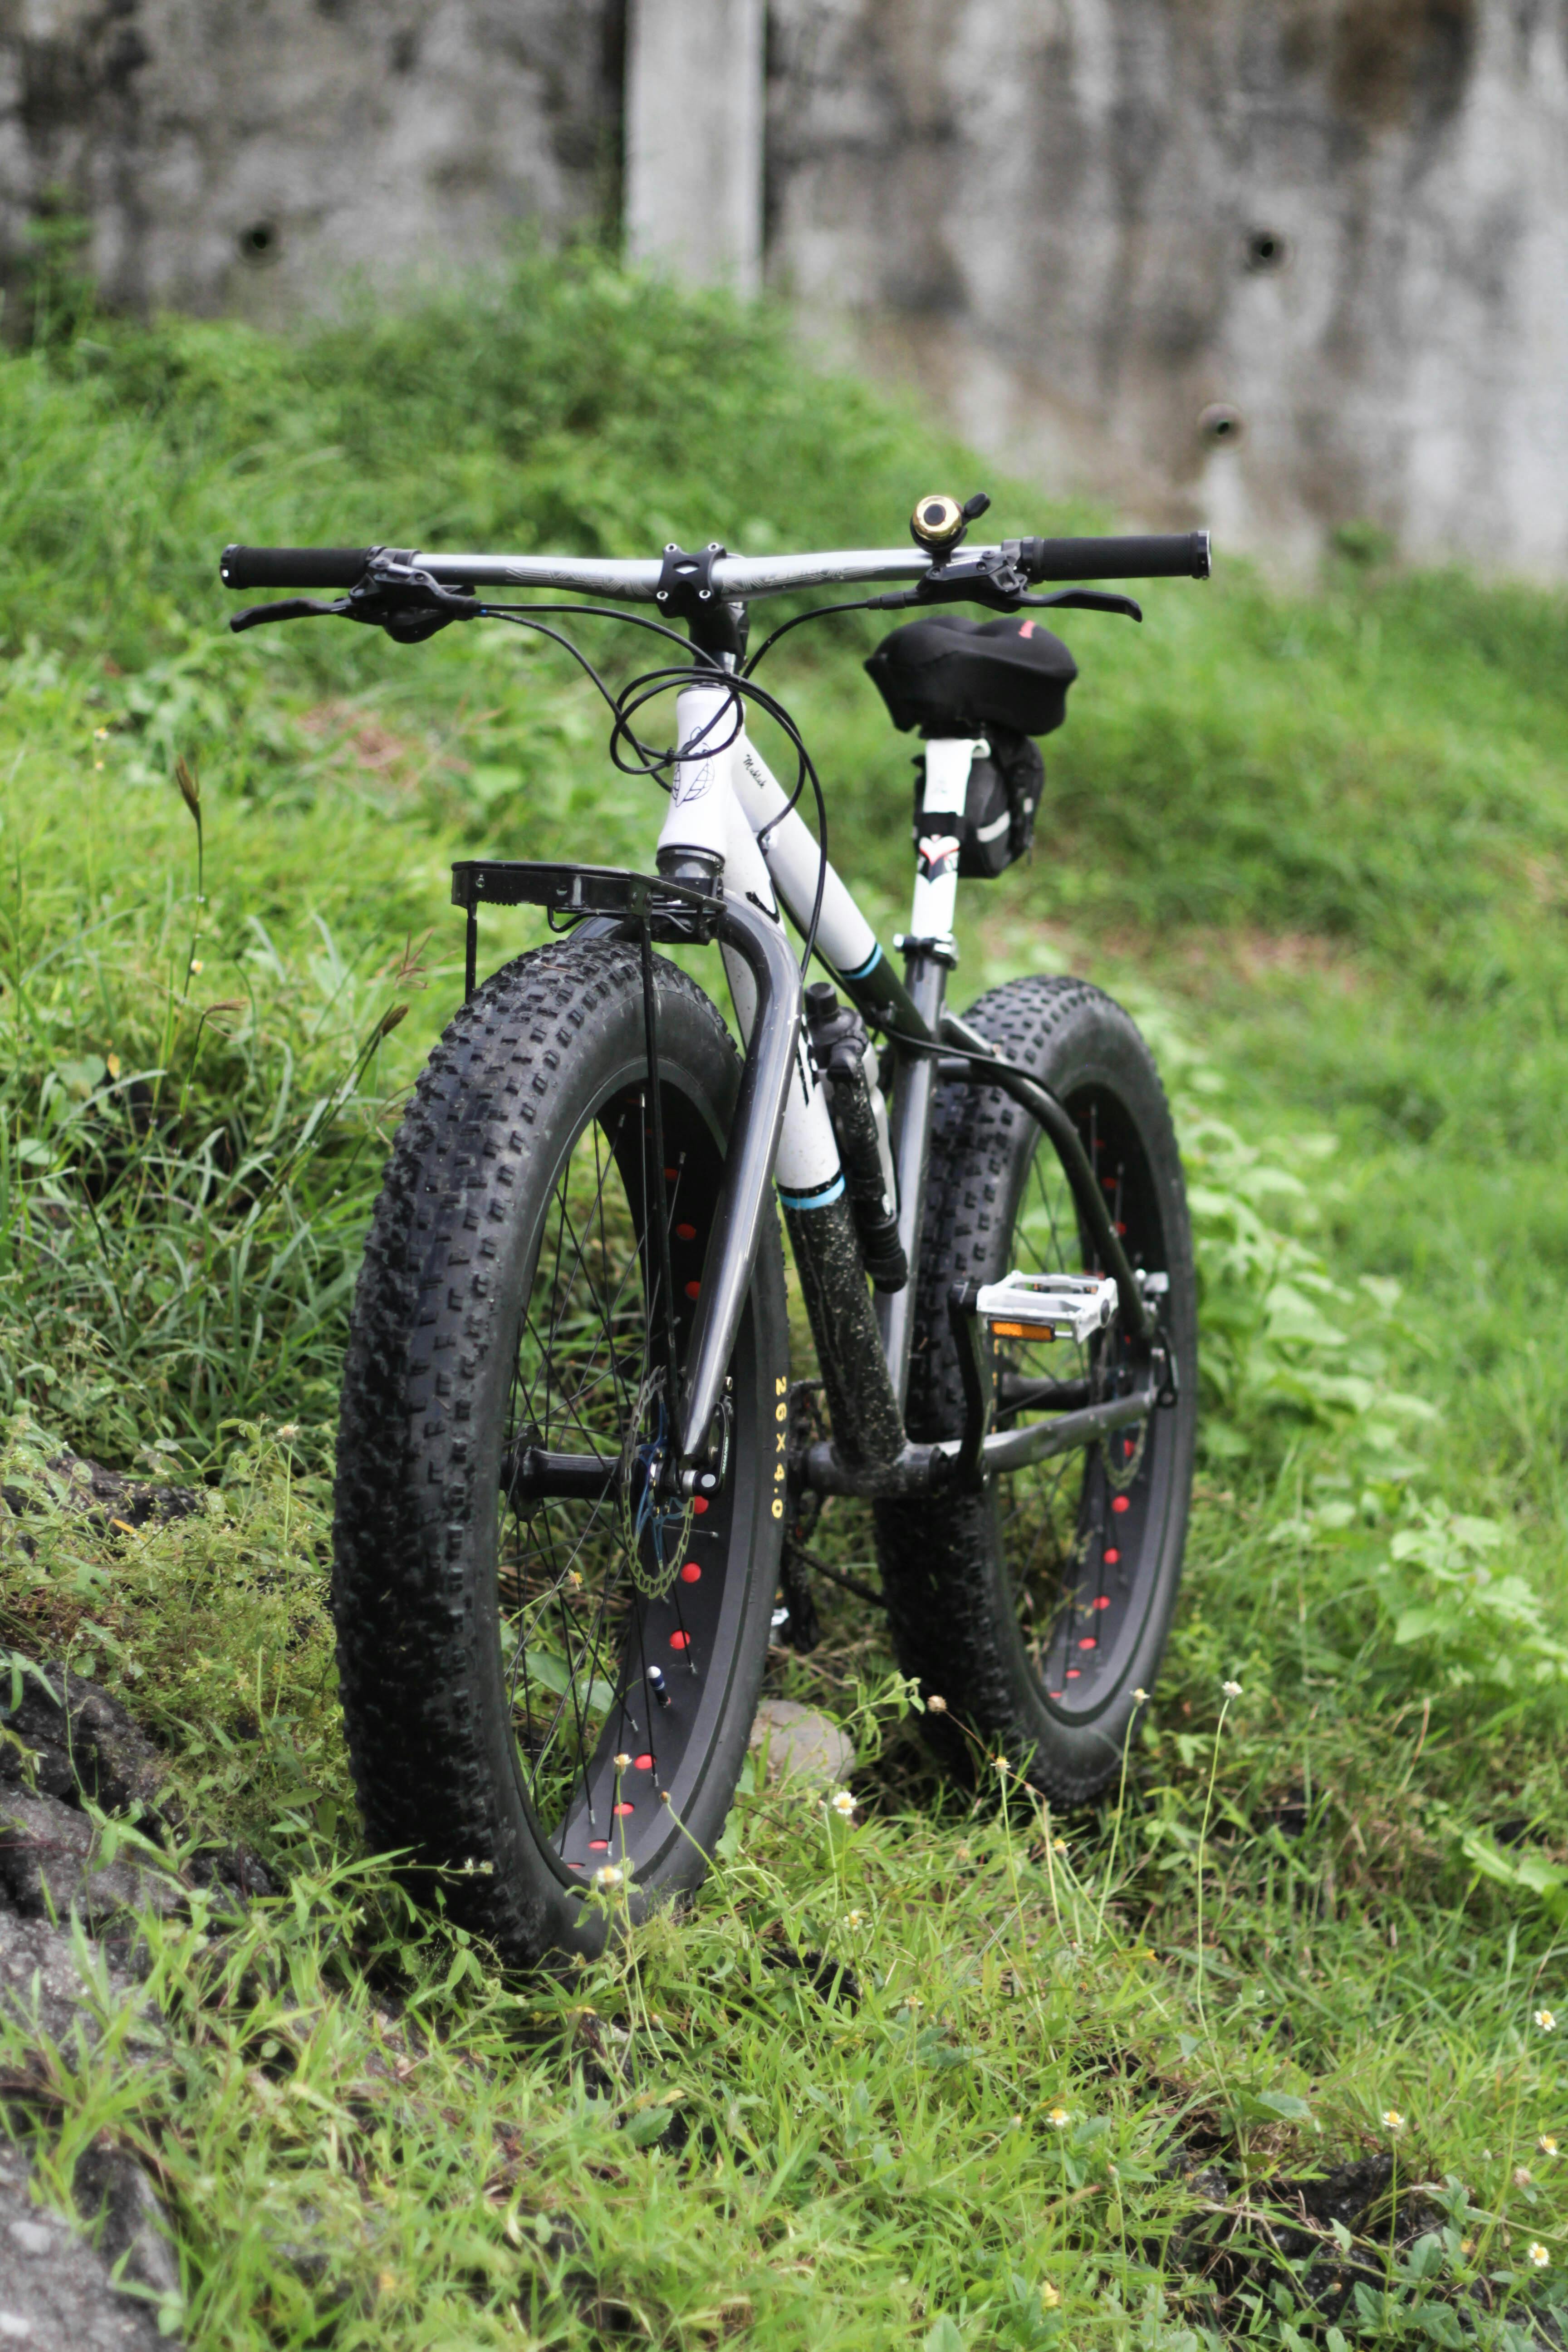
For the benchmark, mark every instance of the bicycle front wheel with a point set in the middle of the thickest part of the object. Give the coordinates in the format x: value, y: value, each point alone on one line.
x: 548, y: 1679
x: 1039, y: 1606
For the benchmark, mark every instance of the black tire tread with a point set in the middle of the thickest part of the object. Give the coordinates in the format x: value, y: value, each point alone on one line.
x: 407, y: 1636
x: 946, y: 1601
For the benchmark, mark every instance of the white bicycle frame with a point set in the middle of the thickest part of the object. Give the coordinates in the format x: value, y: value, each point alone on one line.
x: 728, y: 817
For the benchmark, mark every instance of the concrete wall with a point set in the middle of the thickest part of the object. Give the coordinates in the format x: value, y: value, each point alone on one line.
x: 1092, y: 227
x: 694, y: 129
x: 251, y: 155
x: 1269, y: 264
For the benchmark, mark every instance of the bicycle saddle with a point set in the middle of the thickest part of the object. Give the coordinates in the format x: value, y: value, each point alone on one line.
x: 947, y: 674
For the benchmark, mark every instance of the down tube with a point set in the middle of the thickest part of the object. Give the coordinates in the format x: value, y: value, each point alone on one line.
x: 844, y: 937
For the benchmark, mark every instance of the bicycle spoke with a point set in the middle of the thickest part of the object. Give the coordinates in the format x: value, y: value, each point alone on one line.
x: 591, y: 1335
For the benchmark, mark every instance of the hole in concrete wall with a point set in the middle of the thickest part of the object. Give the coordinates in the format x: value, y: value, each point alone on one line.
x: 1266, y: 250
x: 1219, y: 422
x: 259, y: 243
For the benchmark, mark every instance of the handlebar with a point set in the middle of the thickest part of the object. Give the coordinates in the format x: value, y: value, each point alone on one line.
x: 1169, y: 556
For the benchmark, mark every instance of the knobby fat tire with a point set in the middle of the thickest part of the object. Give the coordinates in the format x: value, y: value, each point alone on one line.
x: 951, y: 1604
x: 447, y: 1267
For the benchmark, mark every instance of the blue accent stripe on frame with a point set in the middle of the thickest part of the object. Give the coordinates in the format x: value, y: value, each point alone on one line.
x: 872, y: 960
x: 819, y: 1199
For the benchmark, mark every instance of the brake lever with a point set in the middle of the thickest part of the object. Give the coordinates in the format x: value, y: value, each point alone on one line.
x: 1091, y: 599
x: 992, y: 578
x: 407, y: 603
x: 397, y: 597
x: 988, y: 577
x: 293, y: 608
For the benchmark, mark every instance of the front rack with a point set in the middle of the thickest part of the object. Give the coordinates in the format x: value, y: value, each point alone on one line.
x: 679, y: 913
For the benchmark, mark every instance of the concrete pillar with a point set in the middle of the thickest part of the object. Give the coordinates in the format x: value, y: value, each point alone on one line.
x: 694, y: 139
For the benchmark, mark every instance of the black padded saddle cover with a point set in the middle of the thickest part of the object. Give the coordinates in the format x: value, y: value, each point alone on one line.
x: 948, y: 673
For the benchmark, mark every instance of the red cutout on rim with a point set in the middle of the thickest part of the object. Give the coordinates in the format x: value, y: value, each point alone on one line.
x: 1103, y: 1602
x: 620, y: 1810
x: 1120, y: 1503
x: 685, y: 1232
x: 680, y: 1640
x: 642, y: 1763
x: 1112, y: 1557
x: 700, y: 1505
x: 692, y: 1573
x: 692, y: 1288
x: 1087, y: 1642
x: 598, y: 1845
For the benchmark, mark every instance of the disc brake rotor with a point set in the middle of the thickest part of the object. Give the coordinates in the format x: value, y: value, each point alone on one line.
x: 655, y: 1523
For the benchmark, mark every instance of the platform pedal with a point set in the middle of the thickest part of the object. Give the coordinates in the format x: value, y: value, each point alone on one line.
x: 1048, y: 1306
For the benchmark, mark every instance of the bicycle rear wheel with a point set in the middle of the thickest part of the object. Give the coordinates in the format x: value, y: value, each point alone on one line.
x: 1039, y: 1606
x: 547, y: 1682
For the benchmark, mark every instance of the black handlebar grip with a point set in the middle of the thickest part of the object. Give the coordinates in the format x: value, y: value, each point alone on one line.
x: 292, y: 567
x: 1163, y: 555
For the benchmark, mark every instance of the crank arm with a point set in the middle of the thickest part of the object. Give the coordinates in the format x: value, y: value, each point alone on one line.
x: 924, y: 1469
x: 1013, y: 1449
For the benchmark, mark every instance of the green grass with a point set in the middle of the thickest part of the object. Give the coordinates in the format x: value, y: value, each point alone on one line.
x: 1318, y: 842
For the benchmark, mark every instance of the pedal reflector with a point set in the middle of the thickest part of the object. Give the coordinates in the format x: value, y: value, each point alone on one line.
x: 1044, y: 1307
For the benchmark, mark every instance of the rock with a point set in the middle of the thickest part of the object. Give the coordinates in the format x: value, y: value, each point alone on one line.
x: 113, y: 2193
x: 82, y: 1740
x: 40, y: 1981
x: 82, y: 1743
x: 802, y: 1745
x: 39, y: 1484
x: 69, y: 1482
x: 46, y: 1865
x: 55, y: 2295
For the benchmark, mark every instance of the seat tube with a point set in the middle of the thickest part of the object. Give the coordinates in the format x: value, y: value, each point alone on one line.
x: 930, y: 954
x: 914, y: 1097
